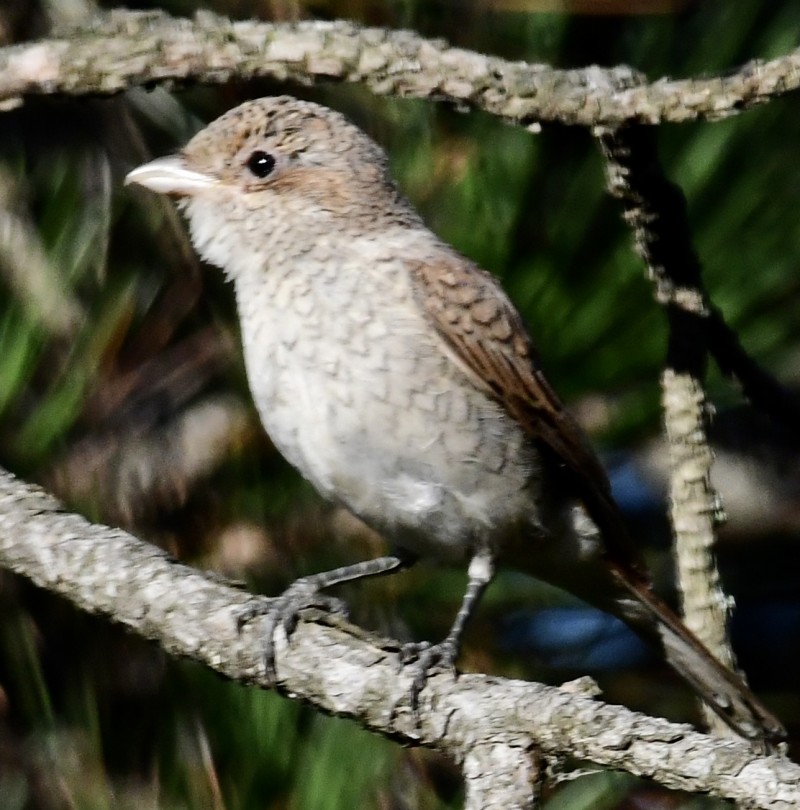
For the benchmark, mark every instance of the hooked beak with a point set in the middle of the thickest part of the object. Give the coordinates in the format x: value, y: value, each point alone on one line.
x: 170, y: 175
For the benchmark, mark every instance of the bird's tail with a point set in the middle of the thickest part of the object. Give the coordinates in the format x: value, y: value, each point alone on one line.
x: 723, y: 690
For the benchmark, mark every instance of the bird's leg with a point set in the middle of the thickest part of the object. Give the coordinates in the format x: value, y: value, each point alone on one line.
x: 445, y: 653
x: 305, y: 592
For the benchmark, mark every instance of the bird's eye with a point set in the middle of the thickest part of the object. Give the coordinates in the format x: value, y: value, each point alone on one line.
x: 260, y: 164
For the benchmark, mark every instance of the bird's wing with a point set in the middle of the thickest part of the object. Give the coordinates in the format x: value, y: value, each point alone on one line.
x: 484, y: 331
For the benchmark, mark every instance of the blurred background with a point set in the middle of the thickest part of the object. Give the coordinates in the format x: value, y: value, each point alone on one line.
x: 122, y: 390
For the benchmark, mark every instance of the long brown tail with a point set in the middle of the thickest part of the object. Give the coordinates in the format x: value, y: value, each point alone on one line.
x: 723, y: 690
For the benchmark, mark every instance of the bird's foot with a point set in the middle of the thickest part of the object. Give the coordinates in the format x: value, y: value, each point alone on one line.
x: 427, y: 658
x: 284, y: 611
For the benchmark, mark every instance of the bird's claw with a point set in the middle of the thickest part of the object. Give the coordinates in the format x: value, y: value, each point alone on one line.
x: 284, y: 611
x: 257, y: 606
x: 427, y: 657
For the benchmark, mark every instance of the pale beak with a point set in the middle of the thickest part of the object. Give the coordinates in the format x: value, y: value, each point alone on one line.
x: 170, y: 175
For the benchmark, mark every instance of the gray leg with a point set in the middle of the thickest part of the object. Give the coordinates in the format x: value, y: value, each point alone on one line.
x: 445, y: 653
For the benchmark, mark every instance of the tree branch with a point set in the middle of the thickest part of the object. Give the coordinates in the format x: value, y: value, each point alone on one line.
x: 656, y: 211
x: 478, y: 720
x: 124, y: 49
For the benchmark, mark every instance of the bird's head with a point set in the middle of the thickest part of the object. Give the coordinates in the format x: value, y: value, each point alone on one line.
x: 275, y: 168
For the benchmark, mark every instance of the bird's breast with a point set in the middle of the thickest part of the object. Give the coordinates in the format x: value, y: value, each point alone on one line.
x: 354, y: 388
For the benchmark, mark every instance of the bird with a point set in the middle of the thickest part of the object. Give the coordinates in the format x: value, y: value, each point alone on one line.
x: 399, y: 379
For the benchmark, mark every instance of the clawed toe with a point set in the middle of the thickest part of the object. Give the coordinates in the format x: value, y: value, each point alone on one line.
x: 284, y: 611
x: 330, y: 604
x: 428, y: 657
x: 412, y: 650
x: 257, y: 606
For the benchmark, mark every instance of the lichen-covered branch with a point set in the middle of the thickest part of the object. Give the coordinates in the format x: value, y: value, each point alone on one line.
x: 476, y: 719
x: 502, y: 775
x: 126, y: 49
x: 656, y: 211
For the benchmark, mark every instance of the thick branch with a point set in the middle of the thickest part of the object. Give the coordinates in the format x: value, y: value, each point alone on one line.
x: 342, y: 670
x: 502, y: 775
x: 127, y: 49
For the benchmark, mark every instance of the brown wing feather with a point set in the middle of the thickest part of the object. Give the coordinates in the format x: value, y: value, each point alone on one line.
x: 481, y: 326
